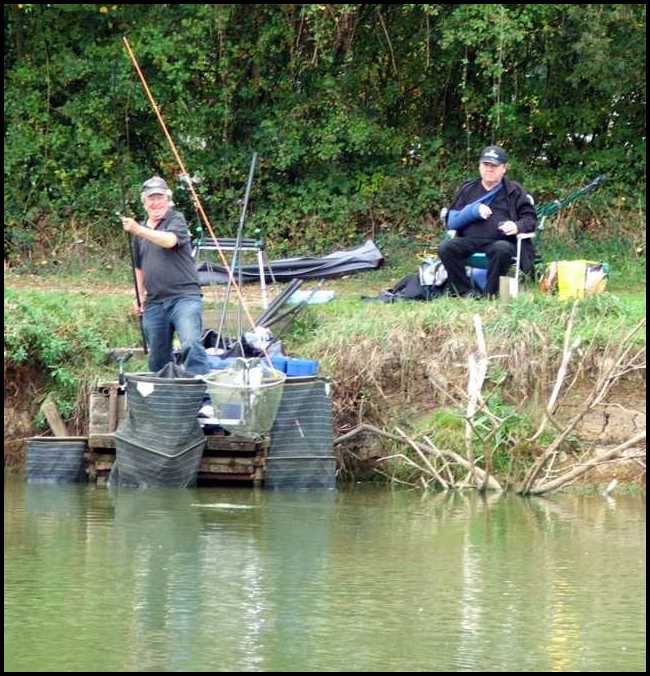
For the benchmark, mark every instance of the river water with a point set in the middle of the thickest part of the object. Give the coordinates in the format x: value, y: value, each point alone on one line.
x: 361, y: 579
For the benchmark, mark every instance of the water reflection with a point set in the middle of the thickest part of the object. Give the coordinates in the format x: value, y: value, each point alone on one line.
x: 358, y: 580
x: 158, y: 544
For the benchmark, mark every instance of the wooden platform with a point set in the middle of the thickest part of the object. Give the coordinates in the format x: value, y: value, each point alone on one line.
x: 227, y: 459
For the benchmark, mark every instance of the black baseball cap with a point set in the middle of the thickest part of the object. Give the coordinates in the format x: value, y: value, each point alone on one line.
x: 494, y: 155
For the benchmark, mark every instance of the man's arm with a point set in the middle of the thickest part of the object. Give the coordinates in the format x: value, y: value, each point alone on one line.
x: 166, y: 240
x: 458, y: 219
x: 526, y: 214
x: 462, y: 212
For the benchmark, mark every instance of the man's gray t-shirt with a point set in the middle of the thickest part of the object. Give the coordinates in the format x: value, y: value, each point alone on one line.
x: 168, y: 273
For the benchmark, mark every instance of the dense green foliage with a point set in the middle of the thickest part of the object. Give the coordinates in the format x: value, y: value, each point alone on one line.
x: 363, y: 115
x: 64, y: 336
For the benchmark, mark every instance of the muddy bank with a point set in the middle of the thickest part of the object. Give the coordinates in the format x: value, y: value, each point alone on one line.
x: 613, y: 422
x: 601, y: 430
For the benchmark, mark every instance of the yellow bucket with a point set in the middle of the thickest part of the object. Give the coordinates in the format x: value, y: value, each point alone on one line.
x: 572, y: 279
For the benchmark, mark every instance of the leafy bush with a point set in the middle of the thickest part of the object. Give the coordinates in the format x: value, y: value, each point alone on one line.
x: 63, y: 337
x: 365, y: 116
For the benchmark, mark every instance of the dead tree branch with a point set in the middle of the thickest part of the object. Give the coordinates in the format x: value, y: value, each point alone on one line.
x: 454, y: 458
x: 614, y: 367
x: 576, y: 472
x: 561, y: 374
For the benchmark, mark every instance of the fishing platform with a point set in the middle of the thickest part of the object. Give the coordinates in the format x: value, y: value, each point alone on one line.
x: 295, y: 453
x: 227, y: 410
x: 225, y: 459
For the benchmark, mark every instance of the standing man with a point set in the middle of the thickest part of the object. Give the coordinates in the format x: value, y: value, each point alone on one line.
x: 166, y: 276
x: 487, y: 213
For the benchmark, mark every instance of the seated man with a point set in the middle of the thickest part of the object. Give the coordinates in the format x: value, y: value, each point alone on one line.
x: 487, y: 213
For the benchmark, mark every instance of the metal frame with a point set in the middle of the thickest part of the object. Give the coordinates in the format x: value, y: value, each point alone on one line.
x: 228, y: 244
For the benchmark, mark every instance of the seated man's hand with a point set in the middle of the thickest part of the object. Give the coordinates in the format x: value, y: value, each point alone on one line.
x: 484, y: 211
x: 509, y: 228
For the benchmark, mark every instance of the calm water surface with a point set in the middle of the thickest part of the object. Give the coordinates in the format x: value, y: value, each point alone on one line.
x: 353, y: 580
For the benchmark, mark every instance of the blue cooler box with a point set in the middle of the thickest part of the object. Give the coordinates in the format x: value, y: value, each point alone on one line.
x: 302, y: 367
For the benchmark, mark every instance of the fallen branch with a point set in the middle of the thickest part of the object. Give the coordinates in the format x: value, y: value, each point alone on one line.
x: 426, y: 461
x: 603, y: 384
x: 359, y: 429
x: 479, y: 474
x: 445, y: 465
x: 392, y: 478
x: 406, y: 459
x: 478, y: 363
x: 576, y: 472
x: 561, y: 374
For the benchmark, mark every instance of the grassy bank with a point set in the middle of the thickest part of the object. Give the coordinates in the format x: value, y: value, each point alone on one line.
x: 402, y: 365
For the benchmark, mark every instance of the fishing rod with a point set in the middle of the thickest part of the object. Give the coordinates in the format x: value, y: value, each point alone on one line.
x: 135, y: 285
x: 235, y: 261
x: 126, y: 208
x: 240, y: 230
x: 184, y: 172
x: 279, y: 301
x: 553, y: 207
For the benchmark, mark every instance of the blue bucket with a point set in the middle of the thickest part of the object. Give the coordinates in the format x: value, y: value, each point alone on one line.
x: 302, y: 367
x: 479, y: 277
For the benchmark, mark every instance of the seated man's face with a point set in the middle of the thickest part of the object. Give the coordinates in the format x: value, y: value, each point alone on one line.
x: 492, y: 173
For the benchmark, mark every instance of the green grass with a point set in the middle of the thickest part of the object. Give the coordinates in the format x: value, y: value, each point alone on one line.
x: 347, y: 319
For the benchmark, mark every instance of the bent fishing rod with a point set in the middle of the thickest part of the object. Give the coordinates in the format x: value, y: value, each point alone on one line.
x: 184, y: 172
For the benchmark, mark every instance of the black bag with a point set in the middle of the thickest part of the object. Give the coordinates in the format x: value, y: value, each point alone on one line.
x: 428, y: 282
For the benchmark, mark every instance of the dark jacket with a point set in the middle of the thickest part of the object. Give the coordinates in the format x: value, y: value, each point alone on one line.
x: 521, y: 211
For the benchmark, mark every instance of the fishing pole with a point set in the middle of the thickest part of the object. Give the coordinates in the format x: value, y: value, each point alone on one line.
x: 184, y: 171
x: 240, y: 230
x: 135, y: 284
x: 126, y: 208
x: 236, y: 254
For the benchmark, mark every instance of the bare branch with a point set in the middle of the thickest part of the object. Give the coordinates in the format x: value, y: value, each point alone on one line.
x: 392, y: 478
x: 478, y: 363
x: 576, y: 472
x: 479, y: 474
x: 426, y: 461
x: 390, y: 44
x: 604, y: 383
x: 567, y: 351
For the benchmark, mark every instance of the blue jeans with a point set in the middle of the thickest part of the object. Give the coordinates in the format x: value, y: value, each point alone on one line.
x: 182, y: 314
